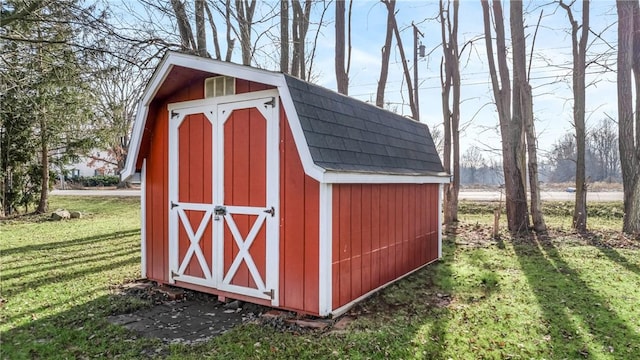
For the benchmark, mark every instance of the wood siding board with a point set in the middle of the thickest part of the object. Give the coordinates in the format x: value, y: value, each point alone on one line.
x: 356, y: 241
x: 311, y: 244
x: 285, y: 135
x: 385, y: 230
x: 258, y: 186
x: 432, y: 225
x: 345, y: 243
x: 375, y: 235
x: 239, y: 186
x: 294, y: 231
x: 156, y: 195
x: 164, y: 204
x: 366, y: 238
x: 396, y: 205
x: 422, y: 224
x: 229, y: 248
x: 335, y: 248
x: 414, y: 245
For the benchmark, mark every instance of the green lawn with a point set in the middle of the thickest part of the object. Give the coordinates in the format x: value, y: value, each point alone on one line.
x: 563, y: 298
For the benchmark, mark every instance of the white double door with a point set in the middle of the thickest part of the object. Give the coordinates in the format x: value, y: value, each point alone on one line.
x: 224, y: 194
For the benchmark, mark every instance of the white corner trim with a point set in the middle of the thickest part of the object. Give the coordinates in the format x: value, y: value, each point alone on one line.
x: 372, y: 178
x: 143, y: 220
x: 440, y: 189
x: 325, y: 290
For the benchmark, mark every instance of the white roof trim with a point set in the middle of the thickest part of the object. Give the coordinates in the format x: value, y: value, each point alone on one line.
x: 278, y: 80
x: 372, y: 178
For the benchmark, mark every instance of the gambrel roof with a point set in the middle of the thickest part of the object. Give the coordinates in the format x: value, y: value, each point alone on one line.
x: 339, y: 139
x: 346, y: 134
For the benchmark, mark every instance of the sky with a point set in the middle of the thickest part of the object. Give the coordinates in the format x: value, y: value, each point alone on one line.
x: 550, y: 64
x: 550, y: 67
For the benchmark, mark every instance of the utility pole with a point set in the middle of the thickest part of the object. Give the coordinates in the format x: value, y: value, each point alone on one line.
x: 416, y: 49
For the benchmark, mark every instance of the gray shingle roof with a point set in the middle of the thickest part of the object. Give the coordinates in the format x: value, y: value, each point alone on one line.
x: 346, y: 134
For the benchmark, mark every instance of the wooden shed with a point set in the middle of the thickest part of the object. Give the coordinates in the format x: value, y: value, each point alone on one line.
x: 261, y: 187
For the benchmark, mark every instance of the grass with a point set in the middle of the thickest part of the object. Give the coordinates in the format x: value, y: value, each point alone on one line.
x: 550, y: 299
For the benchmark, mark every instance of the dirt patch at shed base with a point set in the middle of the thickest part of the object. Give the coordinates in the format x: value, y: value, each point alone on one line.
x: 182, y: 316
x: 190, y: 317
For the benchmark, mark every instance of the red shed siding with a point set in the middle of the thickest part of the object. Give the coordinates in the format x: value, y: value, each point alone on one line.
x: 245, y: 183
x: 299, y: 228
x: 380, y: 232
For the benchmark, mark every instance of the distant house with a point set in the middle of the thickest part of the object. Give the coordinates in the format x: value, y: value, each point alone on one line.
x: 261, y: 187
x: 97, y: 162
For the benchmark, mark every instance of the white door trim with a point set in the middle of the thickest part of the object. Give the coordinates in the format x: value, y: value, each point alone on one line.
x: 266, y: 102
x: 177, y: 209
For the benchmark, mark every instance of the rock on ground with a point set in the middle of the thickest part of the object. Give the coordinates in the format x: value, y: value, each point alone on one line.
x: 60, y: 214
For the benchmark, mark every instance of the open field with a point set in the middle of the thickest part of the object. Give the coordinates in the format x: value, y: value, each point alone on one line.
x: 559, y: 297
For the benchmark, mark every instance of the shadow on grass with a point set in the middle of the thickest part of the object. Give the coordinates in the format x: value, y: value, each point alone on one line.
x: 80, y: 332
x: 74, y: 242
x: 571, y: 308
x: 67, y: 261
x: 613, y: 255
x: 47, y: 264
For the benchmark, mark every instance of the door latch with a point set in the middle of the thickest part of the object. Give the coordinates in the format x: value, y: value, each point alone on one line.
x: 219, y: 211
x: 271, y: 211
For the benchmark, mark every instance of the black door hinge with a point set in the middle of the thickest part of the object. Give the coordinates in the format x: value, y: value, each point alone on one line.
x: 271, y: 102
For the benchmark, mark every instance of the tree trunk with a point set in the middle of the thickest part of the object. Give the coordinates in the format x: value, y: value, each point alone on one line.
x: 539, y: 224
x: 43, y: 204
x: 405, y: 68
x: 342, y: 78
x: 230, y: 41
x: 186, y: 35
x: 579, y: 48
x: 244, y: 11
x: 510, y: 129
x: 629, y: 142
x: 386, y: 53
x: 284, y: 36
x: 201, y: 37
x: 295, y: 28
x: 214, y: 32
x: 450, y: 76
x: 523, y: 111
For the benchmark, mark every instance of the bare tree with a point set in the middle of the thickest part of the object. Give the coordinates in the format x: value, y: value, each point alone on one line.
x: 473, y: 161
x: 244, y: 15
x: 405, y: 69
x: 602, y: 141
x: 187, y: 41
x: 386, y: 52
x: 450, y: 79
x: 117, y: 85
x: 510, y: 128
x: 579, y: 51
x: 284, y: 36
x: 300, y: 26
x: 629, y: 142
x: 523, y: 110
x: 342, y: 68
x: 214, y: 32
